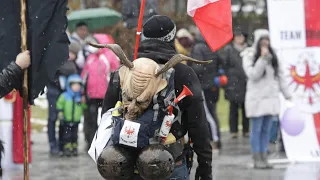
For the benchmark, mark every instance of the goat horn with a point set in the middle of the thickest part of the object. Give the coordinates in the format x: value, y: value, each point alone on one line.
x: 177, y: 59
x: 117, y: 50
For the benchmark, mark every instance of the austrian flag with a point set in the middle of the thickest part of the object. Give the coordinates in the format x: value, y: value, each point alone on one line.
x: 214, y: 20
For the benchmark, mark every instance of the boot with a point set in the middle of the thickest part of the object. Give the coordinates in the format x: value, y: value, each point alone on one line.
x: 264, y: 157
x: 54, y: 152
x: 258, y: 163
x: 67, y: 151
x: 74, y: 149
x: 234, y: 135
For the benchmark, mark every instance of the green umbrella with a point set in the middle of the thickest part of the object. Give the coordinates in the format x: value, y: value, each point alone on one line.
x: 96, y: 18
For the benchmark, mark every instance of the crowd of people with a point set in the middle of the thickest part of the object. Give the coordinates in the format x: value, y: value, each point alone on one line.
x: 255, y: 79
x: 78, y: 90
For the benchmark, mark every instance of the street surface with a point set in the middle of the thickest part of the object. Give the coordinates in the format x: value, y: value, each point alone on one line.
x: 234, y: 163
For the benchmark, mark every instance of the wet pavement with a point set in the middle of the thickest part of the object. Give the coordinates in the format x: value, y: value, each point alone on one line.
x: 233, y: 163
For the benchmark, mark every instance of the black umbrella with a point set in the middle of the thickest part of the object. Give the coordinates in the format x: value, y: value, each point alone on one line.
x: 47, y: 40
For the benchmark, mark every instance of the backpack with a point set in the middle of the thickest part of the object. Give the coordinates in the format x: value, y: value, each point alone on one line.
x: 150, y: 121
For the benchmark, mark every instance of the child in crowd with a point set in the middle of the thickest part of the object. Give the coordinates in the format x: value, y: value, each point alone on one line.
x: 70, y: 106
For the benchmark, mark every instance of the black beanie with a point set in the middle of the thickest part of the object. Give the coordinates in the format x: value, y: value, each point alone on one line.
x: 160, y: 27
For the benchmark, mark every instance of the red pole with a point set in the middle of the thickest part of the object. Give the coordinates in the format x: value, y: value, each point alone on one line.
x: 143, y: 2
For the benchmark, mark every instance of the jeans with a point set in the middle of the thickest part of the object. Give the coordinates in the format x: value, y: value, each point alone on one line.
x: 274, y: 131
x: 234, y: 118
x: 260, y: 133
x: 180, y: 172
x: 52, y: 96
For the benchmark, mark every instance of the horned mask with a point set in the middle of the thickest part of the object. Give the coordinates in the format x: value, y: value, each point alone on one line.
x: 141, y: 79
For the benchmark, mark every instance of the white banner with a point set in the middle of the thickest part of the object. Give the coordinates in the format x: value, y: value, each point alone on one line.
x: 287, y: 23
x: 295, y: 34
x: 299, y: 124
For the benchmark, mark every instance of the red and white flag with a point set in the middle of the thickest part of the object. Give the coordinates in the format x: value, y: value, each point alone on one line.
x: 214, y: 20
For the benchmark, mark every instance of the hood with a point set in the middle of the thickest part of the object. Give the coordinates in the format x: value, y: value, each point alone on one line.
x: 75, y: 78
x: 103, y: 39
x: 258, y: 34
x: 184, y: 33
x: 180, y: 49
x: 159, y: 51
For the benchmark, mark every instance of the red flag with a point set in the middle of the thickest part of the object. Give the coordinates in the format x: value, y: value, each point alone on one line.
x: 214, y: 20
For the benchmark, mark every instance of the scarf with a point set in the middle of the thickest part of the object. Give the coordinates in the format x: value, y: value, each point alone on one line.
x: 159, y: 51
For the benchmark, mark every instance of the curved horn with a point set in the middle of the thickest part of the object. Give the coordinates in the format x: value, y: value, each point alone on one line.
x: 117, y: 50
x: 177, y: 59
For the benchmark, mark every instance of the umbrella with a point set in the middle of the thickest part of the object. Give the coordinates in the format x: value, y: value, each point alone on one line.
x: 95, y: 18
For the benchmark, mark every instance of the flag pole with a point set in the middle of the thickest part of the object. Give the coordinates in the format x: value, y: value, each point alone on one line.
x: 138, y: 34
x: 25, y: 90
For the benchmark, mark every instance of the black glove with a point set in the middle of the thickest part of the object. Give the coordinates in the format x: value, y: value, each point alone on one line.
x: 203, y: 174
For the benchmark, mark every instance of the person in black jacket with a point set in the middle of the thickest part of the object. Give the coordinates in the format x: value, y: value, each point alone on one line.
x: 235, y: 90
x: 11, y: 76
x: 206, y: 74
x: 159, y: 46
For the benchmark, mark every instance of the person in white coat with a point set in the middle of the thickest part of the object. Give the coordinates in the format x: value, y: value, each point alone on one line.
x: 262, y: 102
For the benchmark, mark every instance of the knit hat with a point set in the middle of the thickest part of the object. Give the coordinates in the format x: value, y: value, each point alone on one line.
x: 161, y: 28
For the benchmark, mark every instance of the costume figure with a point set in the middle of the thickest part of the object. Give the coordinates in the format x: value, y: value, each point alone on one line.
x: 143, y: 91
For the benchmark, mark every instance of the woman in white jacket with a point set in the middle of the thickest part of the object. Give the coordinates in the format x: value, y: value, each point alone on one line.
x: 262, y: 103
